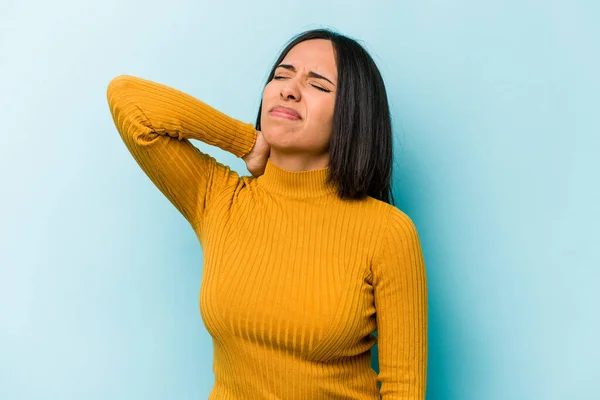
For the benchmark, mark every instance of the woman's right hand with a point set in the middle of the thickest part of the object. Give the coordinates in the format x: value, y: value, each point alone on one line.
x: 256, y: 160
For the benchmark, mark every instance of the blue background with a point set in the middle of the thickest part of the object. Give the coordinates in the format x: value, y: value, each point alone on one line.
x: 495, y: 114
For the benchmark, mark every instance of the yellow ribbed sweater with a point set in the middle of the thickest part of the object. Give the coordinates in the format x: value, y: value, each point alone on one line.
x: 295, y: 280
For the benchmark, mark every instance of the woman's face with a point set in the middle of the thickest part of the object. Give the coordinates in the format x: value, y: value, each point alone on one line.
x: 295, y: 86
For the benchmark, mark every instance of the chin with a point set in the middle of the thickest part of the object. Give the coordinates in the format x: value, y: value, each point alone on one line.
x: 279, y: 133
x: 280, y: 140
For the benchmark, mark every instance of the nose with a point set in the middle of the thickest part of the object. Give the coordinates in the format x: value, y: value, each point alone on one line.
x: 290, y: 90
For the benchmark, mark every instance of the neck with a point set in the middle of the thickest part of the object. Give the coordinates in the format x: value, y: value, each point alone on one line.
x: 295, y: 184
x: 298, y: 162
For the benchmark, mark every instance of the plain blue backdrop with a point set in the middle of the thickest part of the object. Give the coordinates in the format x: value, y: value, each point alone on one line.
x: 495, y: 108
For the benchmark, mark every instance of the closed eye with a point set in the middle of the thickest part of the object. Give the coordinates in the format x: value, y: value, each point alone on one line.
x: 317, y: 87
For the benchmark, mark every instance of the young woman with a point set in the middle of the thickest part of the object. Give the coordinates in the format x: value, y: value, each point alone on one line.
x: 307, y: 258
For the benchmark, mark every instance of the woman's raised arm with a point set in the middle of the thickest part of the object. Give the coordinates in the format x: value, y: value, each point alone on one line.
x: 155, y: 122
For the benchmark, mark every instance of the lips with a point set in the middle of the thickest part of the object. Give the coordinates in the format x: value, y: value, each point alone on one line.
x: 287, y: 111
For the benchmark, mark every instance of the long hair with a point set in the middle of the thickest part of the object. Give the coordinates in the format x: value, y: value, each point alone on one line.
x: 361, y: 147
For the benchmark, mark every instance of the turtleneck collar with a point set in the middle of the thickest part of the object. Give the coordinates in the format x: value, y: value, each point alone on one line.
x: 296, y: 184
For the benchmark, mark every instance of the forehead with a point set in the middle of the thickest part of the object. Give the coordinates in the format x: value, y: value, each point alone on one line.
x: 315, y: 54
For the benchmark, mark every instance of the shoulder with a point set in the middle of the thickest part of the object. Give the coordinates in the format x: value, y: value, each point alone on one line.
x: 387, y: 222
x: 398, y: 236
x: 392, y: 221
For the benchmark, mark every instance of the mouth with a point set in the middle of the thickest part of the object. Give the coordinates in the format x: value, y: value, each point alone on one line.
x: 285, y: 113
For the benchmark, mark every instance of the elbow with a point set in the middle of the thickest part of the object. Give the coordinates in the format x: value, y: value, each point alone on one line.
x: 117, y: 85
x: 119, y: 95
x: 123, y: 107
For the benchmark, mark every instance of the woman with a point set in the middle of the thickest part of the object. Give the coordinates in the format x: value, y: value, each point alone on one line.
x: 305, y: 259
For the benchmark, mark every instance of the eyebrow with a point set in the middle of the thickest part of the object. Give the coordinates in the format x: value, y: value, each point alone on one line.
x: 311, y: 74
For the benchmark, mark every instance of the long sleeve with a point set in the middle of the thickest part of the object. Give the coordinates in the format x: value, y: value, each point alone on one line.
x: 156, y: 122
x: 400, y: 294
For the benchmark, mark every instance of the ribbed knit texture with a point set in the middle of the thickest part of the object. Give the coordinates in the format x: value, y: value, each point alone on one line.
x: 295, y: 280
